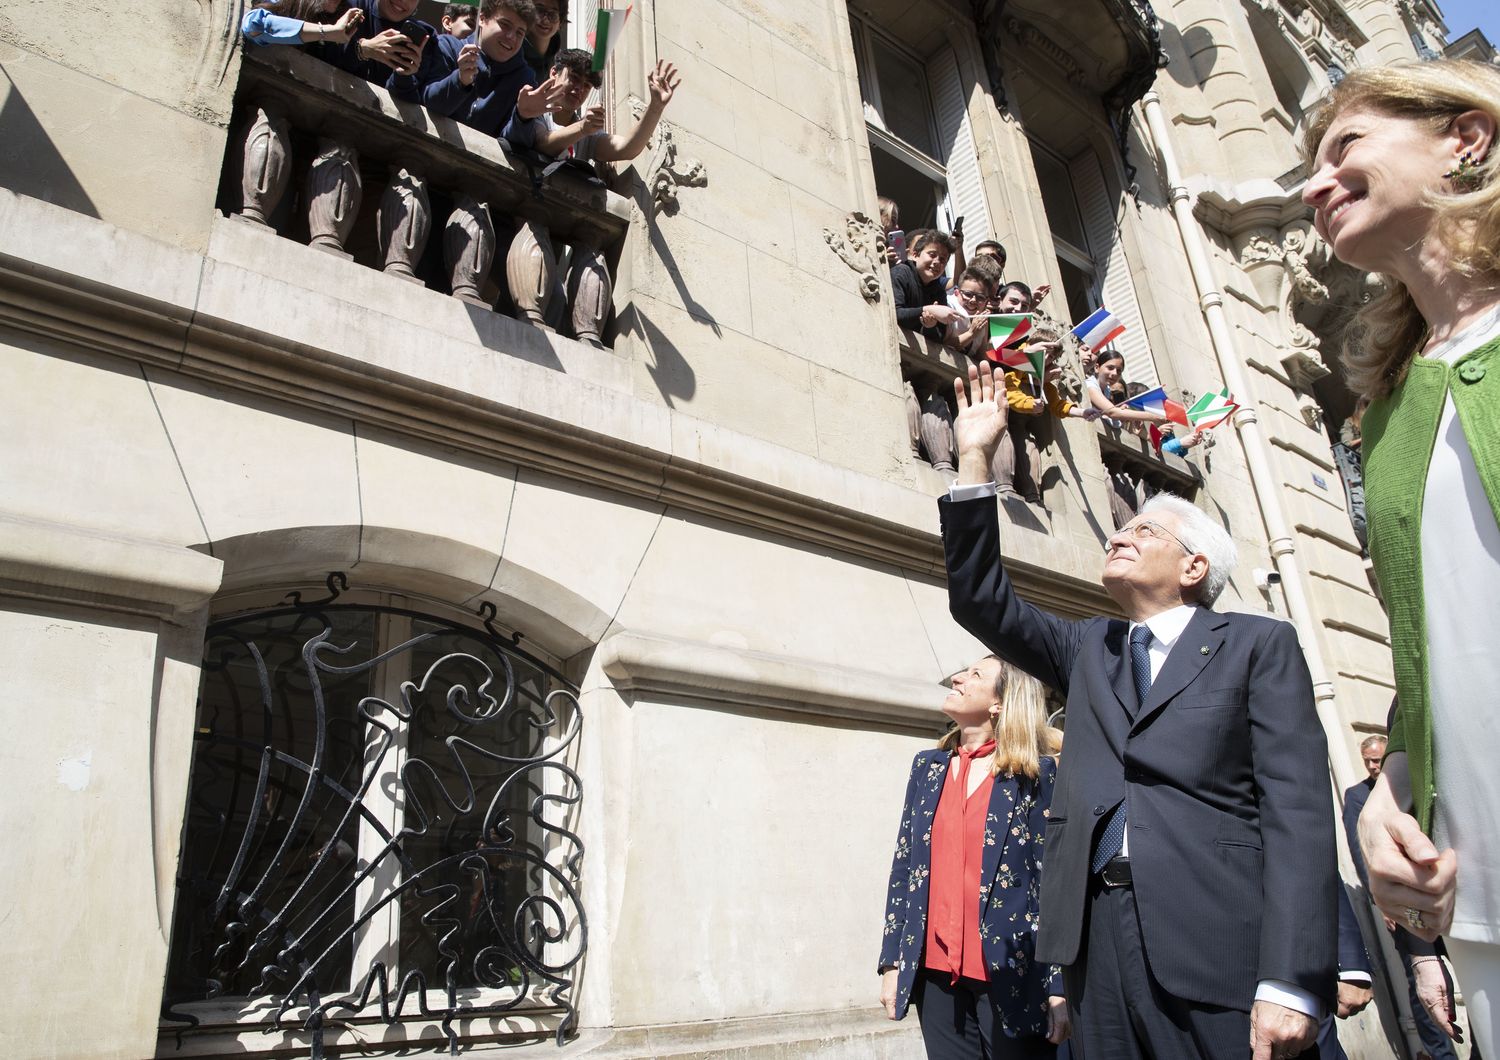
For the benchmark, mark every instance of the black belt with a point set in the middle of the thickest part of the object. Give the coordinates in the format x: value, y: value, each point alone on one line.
x: 1116, y: 873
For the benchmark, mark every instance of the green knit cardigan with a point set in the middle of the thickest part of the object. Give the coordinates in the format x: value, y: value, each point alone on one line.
x: 1399, y: 433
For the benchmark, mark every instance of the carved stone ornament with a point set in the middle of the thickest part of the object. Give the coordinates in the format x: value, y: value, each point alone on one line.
x: 1298, y: 253
x: 861, y: 246
x: 668, y: 175
x: 530, y: 271
x: 589, y: 294
x: 265, y: 165
x: 404, y: 221
x: 469, y: 248
x: 333, y: 196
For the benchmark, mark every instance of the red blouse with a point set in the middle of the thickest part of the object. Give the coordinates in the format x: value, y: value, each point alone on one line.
x: 953, y: 943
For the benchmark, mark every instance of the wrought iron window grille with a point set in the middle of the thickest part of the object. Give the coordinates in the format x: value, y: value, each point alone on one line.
x: 378, y: 814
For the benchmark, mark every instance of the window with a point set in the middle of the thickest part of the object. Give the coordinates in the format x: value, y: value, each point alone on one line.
x: 922, y: 147
x: 378, y: 806
x: 1081, y: 215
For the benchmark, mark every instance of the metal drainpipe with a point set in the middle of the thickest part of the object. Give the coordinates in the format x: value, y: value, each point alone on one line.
x: 1283, y: 545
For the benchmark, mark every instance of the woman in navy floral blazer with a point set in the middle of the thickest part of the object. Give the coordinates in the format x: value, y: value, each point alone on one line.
x: 961, y: 913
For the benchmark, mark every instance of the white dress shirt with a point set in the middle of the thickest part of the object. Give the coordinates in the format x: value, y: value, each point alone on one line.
x: 1166, y: 629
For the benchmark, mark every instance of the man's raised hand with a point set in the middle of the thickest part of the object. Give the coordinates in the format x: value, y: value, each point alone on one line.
x: 980, y: 423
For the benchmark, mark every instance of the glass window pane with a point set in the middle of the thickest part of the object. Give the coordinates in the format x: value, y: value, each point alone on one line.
x: 903, y: 97
x: 1078, y: 287
x: 1058, y: 199
x: 267, y: 863
x: 914, y: 192
x: 469, y: 797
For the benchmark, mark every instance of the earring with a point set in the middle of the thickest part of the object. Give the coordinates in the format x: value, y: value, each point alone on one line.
x: 1466, y: 173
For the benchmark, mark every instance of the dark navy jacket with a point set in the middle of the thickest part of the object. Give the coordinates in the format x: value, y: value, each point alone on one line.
x: 489, y: 104
x: 346, y: 56
x: 1009, y: 892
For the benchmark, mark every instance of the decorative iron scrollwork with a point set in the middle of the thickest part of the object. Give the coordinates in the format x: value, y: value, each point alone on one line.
x: 379, y: 813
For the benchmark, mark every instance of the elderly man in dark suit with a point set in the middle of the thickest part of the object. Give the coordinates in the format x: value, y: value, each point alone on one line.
x: 1189, y: 887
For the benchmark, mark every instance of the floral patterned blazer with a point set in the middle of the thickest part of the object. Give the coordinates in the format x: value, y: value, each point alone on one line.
x: 1009, y: 889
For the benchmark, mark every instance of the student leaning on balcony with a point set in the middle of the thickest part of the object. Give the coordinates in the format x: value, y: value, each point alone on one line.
x: 299, y: 22
x: 580, y: 134
x: 483, y: 80
x: 387, y: 45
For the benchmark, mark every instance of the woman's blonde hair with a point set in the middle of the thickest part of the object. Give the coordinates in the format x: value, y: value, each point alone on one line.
x: 1386, y: 334
x: 1022, y: 735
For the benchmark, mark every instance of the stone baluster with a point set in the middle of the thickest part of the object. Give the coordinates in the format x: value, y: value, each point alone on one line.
x: 936, y: 428
x: 403, y: 223
x: 589, y: 295
x: 913, y: 418
x: 531, y: 270
x: 265, y: 166
x: 333, y: 195
x: 469, y: 248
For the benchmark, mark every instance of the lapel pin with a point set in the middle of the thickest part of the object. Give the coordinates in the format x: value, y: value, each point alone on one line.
x: 1203, y: 650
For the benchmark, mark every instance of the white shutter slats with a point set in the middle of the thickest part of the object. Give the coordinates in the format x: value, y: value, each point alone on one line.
x: 965, y: 191
x: 1116, y: 285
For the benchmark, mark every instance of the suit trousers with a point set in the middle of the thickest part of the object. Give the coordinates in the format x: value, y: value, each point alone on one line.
x: 958, y: 1023
x: 1120, y: 1011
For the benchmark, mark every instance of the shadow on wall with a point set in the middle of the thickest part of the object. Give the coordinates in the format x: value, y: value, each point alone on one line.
x: 30, y: 163
x: 1197, y: 46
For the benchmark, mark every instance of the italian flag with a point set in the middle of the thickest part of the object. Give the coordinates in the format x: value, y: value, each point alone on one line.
x: 1008, y: 328
x: 1212, y: 409
x: 606, y: 34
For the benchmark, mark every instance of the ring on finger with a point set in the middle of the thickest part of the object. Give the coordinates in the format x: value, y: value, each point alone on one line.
x: 1414, y: 918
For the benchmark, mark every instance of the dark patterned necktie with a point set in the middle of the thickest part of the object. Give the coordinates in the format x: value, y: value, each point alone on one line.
x: 1112, y: 835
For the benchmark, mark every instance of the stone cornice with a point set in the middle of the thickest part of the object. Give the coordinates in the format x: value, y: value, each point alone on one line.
x: 667, y: 456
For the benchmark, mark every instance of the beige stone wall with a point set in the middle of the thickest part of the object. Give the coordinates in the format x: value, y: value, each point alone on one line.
x: 719, y: 521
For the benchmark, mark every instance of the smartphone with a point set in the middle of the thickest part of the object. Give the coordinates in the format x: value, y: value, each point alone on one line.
x: 414, y: 31
x: 958, y: 226
x: 896, y: 240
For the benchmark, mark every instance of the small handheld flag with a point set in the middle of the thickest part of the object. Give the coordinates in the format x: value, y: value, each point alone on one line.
x: 1101, y: 327
x: 606, y: 33
x: 1006, y: 329
x: 1157, y: 401
x: 1212, y: 409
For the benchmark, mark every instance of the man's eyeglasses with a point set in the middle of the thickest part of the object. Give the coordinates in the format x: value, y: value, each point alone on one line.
x: 973, y: 296
x: 544, y: 15
x: 1147, y: 528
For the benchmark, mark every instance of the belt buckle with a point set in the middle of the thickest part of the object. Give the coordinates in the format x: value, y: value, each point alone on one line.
x: 1116, y: 872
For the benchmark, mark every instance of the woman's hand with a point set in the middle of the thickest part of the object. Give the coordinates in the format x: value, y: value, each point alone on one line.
x: 1410, y: 880
x: 888, y: 992
x: 1433, y: 992
x: 1058, y: 1027
x: 347, y: 23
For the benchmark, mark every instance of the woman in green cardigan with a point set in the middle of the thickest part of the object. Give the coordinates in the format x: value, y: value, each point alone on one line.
x: 1403, y: 183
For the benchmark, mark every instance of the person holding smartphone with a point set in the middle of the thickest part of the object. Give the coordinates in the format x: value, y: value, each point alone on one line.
x: 387, y: 46
x: 299, y: 22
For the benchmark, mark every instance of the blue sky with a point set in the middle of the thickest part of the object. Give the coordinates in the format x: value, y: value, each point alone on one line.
x: 1463, y: 15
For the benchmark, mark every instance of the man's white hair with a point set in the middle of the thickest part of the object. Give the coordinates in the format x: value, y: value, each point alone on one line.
x: 1200, y: 534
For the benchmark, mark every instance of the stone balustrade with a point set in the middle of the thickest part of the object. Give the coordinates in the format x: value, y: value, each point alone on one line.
x: 429, y: 177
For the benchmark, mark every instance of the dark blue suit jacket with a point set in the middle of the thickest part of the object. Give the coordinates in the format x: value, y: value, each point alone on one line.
x: 1352, y: 958
x: 1008, y: 892
x: 1224, y: 768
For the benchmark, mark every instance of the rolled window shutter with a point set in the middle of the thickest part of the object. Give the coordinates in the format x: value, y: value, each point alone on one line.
x: 1115, y: 285
x: 965, y: 191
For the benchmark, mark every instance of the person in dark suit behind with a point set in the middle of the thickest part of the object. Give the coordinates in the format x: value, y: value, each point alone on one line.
x: 1356, y: 984
x: 1190, y: 882
x: 961, y: 909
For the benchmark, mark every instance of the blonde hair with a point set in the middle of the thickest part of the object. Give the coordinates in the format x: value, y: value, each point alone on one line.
x: 1022, y: 735
x: 1386, y: 334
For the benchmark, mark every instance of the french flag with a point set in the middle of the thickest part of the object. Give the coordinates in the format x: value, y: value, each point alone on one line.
x: 1157, y: 401
x: 1101, y: 327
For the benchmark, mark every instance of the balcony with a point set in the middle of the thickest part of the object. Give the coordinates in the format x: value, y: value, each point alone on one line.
x: 310, y: 139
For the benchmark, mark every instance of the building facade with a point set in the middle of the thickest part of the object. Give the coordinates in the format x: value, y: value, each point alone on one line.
x: 551, y: 674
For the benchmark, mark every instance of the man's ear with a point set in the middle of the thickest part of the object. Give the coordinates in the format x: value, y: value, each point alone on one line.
x: 1195, y: 572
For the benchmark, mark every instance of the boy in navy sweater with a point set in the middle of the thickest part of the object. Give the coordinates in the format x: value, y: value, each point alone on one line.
x: 483, y: 80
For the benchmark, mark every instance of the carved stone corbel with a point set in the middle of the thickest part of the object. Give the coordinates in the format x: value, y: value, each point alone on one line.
x: 530, y: 272
x: 861, y: 246
x: 265, y: 166
x: 469, y: 248
x: 334, y: 190
x: 403, y: 222
x: 589, y: 294
x: 667, y: 175
x: 913, y: 419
